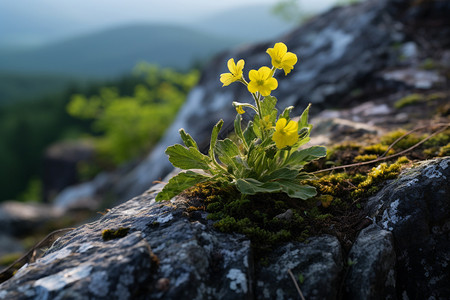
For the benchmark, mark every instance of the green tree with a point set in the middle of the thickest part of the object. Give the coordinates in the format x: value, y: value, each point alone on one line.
x: 128, y: 125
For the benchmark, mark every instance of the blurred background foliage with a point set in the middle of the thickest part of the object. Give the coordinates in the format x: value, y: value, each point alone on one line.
x: 127, y: 125
x: 122, y: 117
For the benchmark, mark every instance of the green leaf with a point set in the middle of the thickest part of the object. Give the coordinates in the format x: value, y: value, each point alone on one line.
x: 226, y: 150
x: 214, y: 135
x: 268, y: 105
x: 179, y: 183
x: 283, y: 173
x: 187, y: 158
x: 295, y: 190
x: 303, y: 122
x: 257, y: 126
x: 250, y: 186
x: 249, y: 134
x: 302, y: 157
x: 187, y: 139
x: 286, y: 112
x: 301, y: 142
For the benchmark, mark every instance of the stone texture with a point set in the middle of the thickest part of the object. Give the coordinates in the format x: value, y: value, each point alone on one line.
x: 170, y: 253
x: 416, y: 209
x: 164, y: 256
x: 319, y: 262
x: 371, y: 262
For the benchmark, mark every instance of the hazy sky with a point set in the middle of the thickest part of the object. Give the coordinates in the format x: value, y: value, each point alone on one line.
x: 127, y: 10
x: 28, y: 19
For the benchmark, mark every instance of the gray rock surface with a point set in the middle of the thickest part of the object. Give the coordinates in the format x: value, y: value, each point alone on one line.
x: 164, y: 256
x: 317, y: 262
x: 371, y: 264
x: 169, y: 253
x: 416, y: 209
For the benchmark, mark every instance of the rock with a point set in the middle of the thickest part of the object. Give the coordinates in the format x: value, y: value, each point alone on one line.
x: 318, y: 263
x: 164, y: 256
x: 160, y: 251
x: 416, y: 209
x: 19, y: 219
x: 61, y: 162
x: 371, y: 262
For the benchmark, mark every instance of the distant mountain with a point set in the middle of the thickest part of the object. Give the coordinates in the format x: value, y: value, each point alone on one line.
x: 116, y: 51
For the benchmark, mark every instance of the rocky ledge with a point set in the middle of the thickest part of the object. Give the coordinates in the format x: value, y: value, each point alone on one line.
x: 160, y: 251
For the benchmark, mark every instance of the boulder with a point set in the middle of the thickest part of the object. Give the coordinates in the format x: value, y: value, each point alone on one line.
x: 416, y: 209
x: 161, y: 251
x: 61, y: 162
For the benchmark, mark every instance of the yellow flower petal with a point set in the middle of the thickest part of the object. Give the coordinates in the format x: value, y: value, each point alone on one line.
x: 252, y: 87
x: 264, y: 73
x: 285, y: 133
x: 292, y: 126
x: 281, y: 123
x: 226, y: 78
x: 281, y: 59
x: 240, y: 65
x: 253, y: 75
x: 262, y: 81
x: 231, y: 65
x: 235, y: 72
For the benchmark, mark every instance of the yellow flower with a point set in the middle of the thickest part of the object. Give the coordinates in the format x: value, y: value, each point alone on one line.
x: 285, y: 133
x: 262, y: 81
x: 240, y: 110
x: 281, y: 59
x: 236, y: 72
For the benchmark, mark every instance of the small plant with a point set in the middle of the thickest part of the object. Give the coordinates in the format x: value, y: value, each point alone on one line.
x: 265, y: 156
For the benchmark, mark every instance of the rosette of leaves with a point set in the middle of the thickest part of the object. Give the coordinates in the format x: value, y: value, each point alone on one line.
x: 251, y: 161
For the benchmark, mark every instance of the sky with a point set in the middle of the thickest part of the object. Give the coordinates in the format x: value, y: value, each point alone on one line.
x: 28, y: 19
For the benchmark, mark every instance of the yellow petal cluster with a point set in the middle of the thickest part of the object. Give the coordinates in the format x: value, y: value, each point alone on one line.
x: 235, y: 72
x: 281, y: 59
x: 261, y: 81
x: 286, y: 133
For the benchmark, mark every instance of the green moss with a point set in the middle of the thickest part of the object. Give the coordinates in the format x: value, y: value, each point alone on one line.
x: 409, y: 100
x: 444, y: 150
x: 377, y: 175
x: 438, y: 140
x: 111, y: 234
x: 377, y: 149
x: 365, y: 157
x: 405, y: 143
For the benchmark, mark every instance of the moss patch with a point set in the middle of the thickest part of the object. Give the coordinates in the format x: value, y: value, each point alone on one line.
x: 409, y: 100
x: 269, y: 220
x: 111, y: 234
